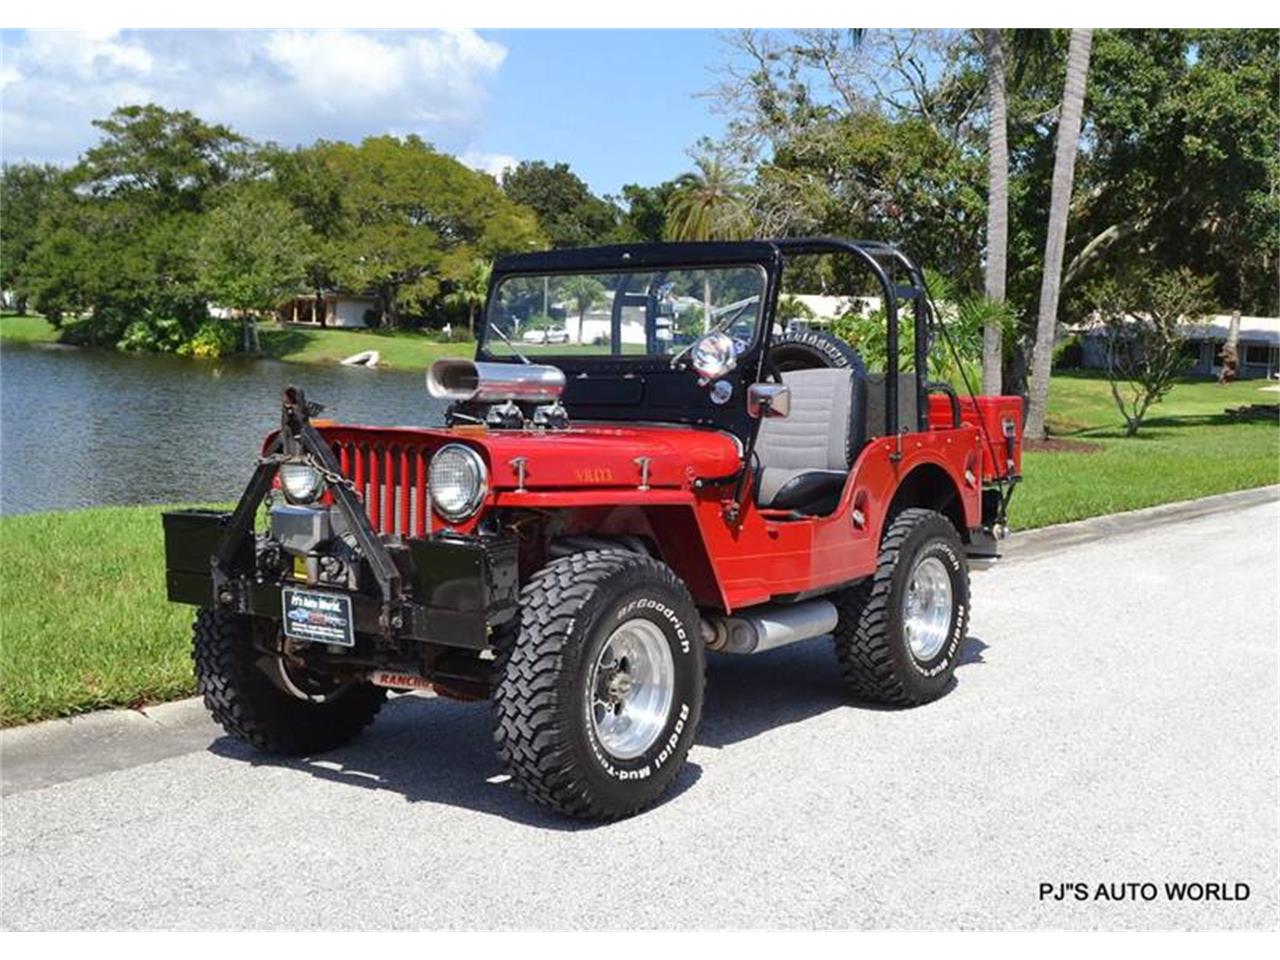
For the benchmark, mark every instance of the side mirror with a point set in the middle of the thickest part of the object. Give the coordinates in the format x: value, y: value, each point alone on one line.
x: 769, y: 400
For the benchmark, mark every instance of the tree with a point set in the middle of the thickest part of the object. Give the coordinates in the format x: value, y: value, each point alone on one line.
x: 791, y: 307
x: 585, y: 291
x: 253, y: 253
x: 26, y: 191
x: 469, y: 293
x: 997, y: 207
x: 1055, y: 242
x: 1145, y: 326
x: 708, y: 205
x: 1183, y: 164
x: 568, y: 212
x: 644, y: 218
x: 118, y: 247
x: 861, y: 133
x: 410, y: 220
x: 166, y: 159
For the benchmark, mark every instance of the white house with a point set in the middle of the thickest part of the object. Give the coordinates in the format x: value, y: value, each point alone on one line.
x: 328, y: 308
x: 1258, y: 345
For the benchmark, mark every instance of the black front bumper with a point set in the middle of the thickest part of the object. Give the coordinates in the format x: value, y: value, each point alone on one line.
x: 455, y: 588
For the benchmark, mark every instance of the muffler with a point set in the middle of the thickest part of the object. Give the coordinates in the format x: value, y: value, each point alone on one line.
x: 465, y: 380
x: 769, y: 626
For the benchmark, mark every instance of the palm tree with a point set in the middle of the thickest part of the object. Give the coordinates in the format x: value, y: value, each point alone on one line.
x: 585, y: 292
x: 469, y: 293
x: 708, y: 204
x: 1064, y: 164
x: 997, y: 207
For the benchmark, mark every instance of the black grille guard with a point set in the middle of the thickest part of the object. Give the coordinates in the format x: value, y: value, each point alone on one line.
x: 299, y: 439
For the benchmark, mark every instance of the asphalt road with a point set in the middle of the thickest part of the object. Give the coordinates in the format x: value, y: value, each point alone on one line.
x: 1114, y: 721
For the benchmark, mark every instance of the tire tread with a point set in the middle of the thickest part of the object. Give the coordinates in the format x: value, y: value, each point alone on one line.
x: 245, y: 702
x: 862, y: 635
x: 529, y: 737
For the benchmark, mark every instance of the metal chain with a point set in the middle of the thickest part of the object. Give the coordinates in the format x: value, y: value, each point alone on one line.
x: 331, y: 476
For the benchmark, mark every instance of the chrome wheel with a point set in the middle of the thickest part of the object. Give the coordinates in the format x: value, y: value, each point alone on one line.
x: 631, y: 688
x: 926, y: 608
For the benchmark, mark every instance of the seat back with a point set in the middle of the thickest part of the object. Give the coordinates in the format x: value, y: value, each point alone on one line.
x: 876, y: 407
x: 825, y: 429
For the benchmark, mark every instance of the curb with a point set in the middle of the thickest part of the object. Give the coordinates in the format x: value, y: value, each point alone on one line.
x: 44, y: 754
x: 1046, y: 541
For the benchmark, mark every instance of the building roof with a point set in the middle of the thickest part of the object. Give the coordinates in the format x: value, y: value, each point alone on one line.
x: 1252, y: 329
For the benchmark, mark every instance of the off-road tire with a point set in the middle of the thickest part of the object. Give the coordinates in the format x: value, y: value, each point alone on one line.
x: 805, y: 349
x: 252, y: 707
x: 875, y: 659
x: 542, y: 729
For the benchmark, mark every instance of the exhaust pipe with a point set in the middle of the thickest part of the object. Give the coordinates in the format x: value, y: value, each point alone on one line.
x: 464, y: 380
x: 770, y: 626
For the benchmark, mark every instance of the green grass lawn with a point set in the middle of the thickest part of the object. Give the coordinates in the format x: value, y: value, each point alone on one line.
x: 84, y: 622
x: 399, y: 349
x: 1188, y: 448
x: 25, y: 328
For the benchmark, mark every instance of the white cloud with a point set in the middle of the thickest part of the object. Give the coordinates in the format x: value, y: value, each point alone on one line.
x: 290, y: 86
x: 494, y: 164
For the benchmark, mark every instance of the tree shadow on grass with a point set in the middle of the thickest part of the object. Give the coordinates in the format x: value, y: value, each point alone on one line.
x: 282, y: 341
x: 1159, y: 427
x: 441, y: 751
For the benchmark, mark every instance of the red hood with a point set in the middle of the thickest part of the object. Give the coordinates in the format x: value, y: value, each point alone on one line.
x: 596, y: 456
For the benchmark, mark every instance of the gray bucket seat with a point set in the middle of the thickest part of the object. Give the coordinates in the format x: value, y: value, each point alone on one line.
x: 804, y: 458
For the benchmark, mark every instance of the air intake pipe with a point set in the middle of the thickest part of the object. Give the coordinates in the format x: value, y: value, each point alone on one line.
x: 466, y: 380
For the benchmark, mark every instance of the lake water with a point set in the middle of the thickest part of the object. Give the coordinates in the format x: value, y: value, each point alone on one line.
x: 83, y: 428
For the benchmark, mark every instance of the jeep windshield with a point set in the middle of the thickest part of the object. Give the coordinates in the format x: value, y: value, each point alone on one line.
x: 642, y: 313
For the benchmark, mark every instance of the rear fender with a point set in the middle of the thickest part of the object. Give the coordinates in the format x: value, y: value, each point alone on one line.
x: 932, y: 486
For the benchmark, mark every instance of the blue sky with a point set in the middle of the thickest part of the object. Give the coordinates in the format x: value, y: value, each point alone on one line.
x: 620, y: 106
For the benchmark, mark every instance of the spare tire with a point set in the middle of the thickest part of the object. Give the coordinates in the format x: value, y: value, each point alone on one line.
x: 805, y: 349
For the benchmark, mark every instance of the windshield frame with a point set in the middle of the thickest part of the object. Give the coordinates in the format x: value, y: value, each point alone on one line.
x: 632, y: 258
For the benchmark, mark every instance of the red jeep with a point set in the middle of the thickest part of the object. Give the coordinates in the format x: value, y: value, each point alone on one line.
x: 682, y: 476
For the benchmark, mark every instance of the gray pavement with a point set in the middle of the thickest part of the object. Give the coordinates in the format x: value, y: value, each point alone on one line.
x: 1115, y: 720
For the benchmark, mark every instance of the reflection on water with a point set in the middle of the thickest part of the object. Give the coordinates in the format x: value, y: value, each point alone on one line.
x: 81, y: 428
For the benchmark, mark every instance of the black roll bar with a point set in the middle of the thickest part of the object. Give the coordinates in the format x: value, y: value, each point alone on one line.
x: 871, y: 253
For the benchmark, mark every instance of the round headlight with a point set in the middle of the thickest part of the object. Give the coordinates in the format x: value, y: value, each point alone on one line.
x: 301, y: 482
x: 712, y: 356
x: 458, y: 481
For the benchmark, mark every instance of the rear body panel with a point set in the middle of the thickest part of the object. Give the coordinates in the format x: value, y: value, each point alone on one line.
x: 999, y: 423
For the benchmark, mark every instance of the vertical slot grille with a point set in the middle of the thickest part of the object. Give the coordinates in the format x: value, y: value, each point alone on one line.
x: 391, y: 481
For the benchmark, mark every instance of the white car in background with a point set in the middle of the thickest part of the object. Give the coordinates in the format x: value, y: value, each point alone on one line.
x: 546, y: 335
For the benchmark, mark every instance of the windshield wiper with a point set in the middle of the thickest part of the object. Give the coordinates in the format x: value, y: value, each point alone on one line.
x: 738, y: 309
x: 498, y: 330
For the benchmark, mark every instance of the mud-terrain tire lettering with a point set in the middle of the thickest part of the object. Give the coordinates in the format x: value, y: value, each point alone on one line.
x: 542, y: 726
x: 874, y: 657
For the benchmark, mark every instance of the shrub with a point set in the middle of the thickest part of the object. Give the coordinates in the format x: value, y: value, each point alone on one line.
x: 153, y: 334
x: 1068, y: 354
x: 212, y: 339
